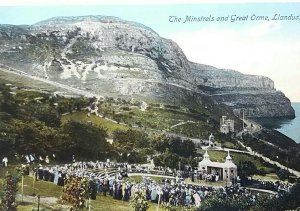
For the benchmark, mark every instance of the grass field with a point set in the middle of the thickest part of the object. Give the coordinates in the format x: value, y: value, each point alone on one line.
x: 270, y: 176
x: 48, y: 189
x: 42, y: 188
x: 23, y: 81
x: 82, y: 116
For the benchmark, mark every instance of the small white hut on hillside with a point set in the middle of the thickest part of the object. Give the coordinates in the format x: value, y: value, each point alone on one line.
x: 226, y: 171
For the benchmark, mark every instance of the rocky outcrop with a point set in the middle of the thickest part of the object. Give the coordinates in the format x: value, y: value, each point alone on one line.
x: 222, y: 79
x: 254, y: 95
x: 262, y: 104
x: 118, y: 58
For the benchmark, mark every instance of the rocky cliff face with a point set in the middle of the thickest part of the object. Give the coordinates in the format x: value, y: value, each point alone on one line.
x: 229, y: 79
x: 113, y: 57
x: 254, y: 95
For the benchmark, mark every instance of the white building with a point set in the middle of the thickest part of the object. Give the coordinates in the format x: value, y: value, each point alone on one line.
x: 226, y: 125
x: 226, y: 171
x: 211, y: 140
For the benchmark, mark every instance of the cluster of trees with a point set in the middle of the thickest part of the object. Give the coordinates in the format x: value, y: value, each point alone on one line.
x: 131, y: 146
x: 33, y: 137
x: 135, y: 146
x: 174, y: 150
x: 31, y: 124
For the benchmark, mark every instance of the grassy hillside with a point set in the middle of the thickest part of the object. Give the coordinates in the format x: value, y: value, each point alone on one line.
x: 99, y: 121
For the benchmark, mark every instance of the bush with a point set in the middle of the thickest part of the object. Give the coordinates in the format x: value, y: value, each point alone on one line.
x: 225, y: 204
x: 76, y: 191
x: 139, y: 203
x: 8, y: 196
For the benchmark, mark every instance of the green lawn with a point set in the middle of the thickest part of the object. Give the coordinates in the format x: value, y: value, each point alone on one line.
x: 271, y: 177
x: 42, y: 188
x: 105, y: 203
x: 231, y: 145
x: 48, y: 189
x: 82, y: 116
x: 102, y: 203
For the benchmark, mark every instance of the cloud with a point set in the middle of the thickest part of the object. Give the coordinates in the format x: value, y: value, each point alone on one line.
x: 257, y: 50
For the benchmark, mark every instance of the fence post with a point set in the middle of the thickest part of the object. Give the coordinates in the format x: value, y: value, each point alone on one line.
x: 38, y: 202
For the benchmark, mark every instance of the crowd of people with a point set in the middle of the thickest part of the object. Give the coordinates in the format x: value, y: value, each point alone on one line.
x: 111, y: 178
x: 277, y: 186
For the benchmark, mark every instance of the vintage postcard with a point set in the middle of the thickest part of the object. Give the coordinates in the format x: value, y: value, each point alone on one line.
x: 149, y: 105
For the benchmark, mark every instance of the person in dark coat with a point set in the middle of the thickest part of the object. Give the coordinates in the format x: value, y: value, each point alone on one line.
x: 93, y: 190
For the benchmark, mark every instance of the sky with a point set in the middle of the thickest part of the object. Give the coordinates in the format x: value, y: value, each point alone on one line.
x: 242, y: 37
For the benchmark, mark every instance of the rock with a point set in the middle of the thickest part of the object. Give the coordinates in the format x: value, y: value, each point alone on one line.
x: 118, y: 58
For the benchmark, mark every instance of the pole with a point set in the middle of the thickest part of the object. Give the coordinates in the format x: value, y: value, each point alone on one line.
x: 33, y: 184
x: 39, y: 202
x: 159, y: 192
x: 226, y: 178
x: 22, y: 187
x: 89, y: 204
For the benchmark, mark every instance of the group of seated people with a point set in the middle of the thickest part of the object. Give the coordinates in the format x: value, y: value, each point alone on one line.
x: 269, y: 185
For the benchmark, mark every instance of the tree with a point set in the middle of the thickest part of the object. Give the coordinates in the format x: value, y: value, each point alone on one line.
x: 246, y: 169
x: 283, y: 174
x: 8, y: 198
x: 184, y: 148
x: 167, y: 159
x: 89, y: 140
x: 7, y: 100
x: 160, y: 143
x: 131, y: 139
x: 50, y: 117
x: 136, y: 157
x: 35, y: 137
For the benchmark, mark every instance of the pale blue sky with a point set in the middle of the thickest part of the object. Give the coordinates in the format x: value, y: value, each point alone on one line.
x: 269, y: 48
x: 154, y: 16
